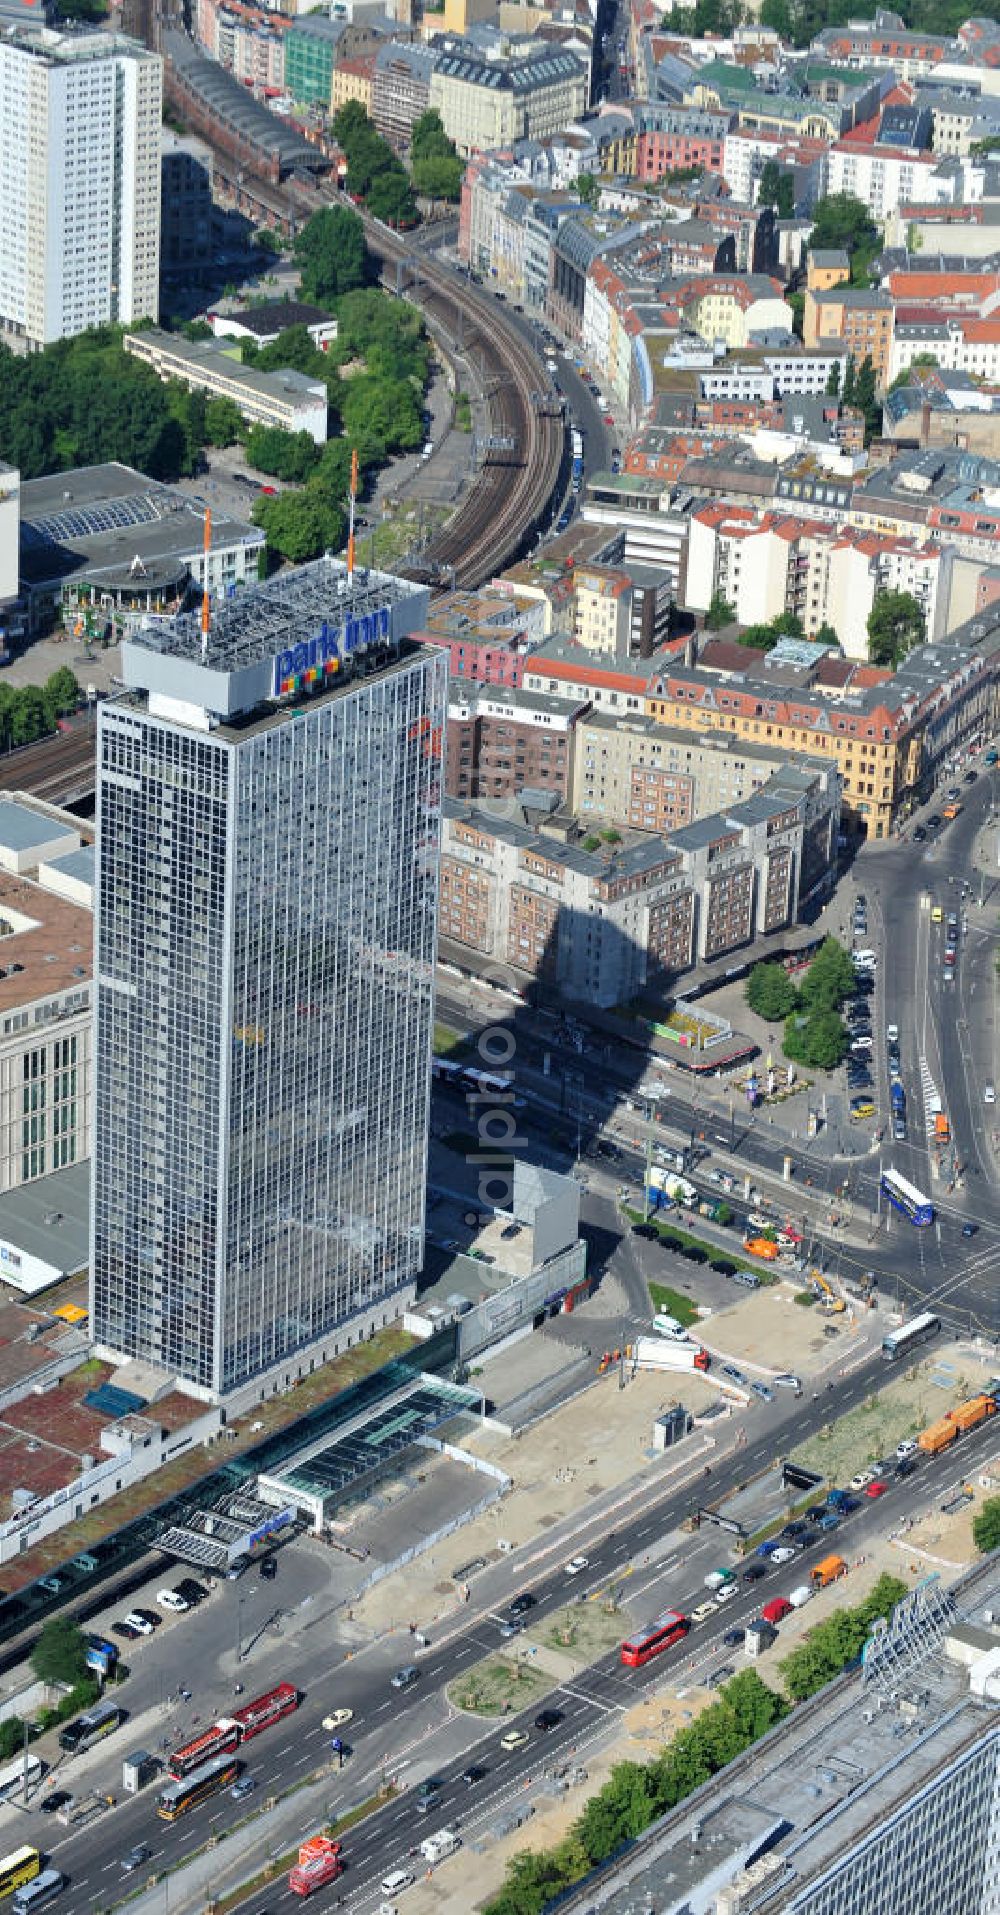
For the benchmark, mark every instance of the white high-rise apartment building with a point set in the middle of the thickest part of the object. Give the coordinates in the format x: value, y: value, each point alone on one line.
x: 79, y: 182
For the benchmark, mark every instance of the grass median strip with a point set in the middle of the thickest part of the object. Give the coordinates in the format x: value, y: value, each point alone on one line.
x: 500, y: 1686
x: 671, y: 1303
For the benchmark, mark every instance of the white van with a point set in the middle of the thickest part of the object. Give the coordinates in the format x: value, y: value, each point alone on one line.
x: 36, y: 1894
x: 803, y: 1594
x: 669, y: 1327
x: 438, y: 1846
x: 395, y: 1883
x: 864, y: 960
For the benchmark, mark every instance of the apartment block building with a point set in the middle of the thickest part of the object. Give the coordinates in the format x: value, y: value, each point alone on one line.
x: 886, y: 733
x: 634, y: 771
x: 311, y: 46
x: 79, y: 183
x: 597, y: 925
x: 766, y: 564
x: 401, y: 89
x: 857, y: 319
x: 603, y: 609
x: 502, y: 742
x: 46, y: 1012
x: 530, y: 90
x: 883, y: 177
x: 353, y: 79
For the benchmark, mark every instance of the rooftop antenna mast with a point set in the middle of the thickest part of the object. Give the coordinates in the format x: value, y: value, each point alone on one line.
x: 353, y: 498
x: 206, y: 608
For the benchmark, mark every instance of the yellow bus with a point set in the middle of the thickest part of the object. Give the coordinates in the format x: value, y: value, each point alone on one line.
x: 177, y: 1797
x: 21, y: 1865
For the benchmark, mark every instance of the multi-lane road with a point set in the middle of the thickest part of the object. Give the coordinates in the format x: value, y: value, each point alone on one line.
x: 949, y: 1049
x: 642, y: 1556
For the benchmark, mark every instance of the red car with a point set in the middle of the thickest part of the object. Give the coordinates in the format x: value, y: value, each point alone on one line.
x: 875, y: 1489
x: 777, y: 1610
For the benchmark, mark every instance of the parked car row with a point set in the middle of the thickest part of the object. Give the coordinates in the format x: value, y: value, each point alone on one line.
x: 185, y: 1595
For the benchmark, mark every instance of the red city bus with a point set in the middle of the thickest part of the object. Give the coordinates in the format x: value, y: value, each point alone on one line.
x: 221, y: 1739
x: 640, y: 1649
x: 265, y: 1709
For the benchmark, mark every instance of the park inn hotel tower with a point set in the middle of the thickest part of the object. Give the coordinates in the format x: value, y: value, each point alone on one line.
x: 268, y: 832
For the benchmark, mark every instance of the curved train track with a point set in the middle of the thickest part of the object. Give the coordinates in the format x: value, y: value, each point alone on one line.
x: 490, y: 528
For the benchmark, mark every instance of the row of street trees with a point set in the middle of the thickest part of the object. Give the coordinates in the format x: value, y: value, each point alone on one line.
x: 830, y: 1648
x: 638, y: 1792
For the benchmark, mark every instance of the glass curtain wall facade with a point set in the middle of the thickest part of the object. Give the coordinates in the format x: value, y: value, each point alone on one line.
x: 265, y: 950
x: 937, y: 1855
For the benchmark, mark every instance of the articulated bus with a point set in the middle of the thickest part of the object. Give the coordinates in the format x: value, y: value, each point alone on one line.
x: 221, y: 1739
x: 176, y: 1798
x: 899, y: 1342
x: 906, y: 1198
x: 640, y: 1649
x: 20, y: 1866
x: 446, y: 1072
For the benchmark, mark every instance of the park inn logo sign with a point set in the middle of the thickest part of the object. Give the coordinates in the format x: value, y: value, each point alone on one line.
x: 315, y: 660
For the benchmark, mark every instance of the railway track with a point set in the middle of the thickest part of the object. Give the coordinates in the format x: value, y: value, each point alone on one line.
x: 490, y: 528
x: 60, y: 770
x: 487, y: 531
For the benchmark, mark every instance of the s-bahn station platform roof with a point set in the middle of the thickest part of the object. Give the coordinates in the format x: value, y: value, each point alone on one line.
x: 331, y: 1477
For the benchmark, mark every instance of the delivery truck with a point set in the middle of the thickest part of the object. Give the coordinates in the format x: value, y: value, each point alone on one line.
x: 665, y: 1353
x: 937, y: 1436
x: 828, y: 1571
x: 969, y: 1415
x: 666, y: 1187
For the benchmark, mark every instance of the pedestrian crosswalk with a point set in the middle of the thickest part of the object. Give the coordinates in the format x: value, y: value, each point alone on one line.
x: 931, y: 1096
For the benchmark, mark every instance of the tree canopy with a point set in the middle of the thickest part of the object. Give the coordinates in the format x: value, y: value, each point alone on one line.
x: 720, y: 613
x: 777, y: 188
x: 986, y: 1526
x: 290, y: 456
x: 375, y: 373
x: 434, y: 161
x: 374, y: 172
x: 32, y: 711
x: 330, y: 254
x: 764, y: 637
x: 815, y: 1034
x: 60, y: 1654
x: 833, y: 1644
x: 85, y: 400
x: 895, y: 626
x: 799, y: 21
x: 770, y: 992
x: 842, y: 220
